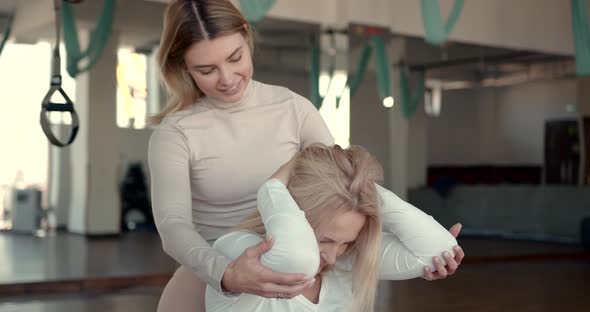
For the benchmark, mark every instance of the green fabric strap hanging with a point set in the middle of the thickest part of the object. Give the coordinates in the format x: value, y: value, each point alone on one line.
x: 6, y: 34
x: 409, y: 101
x: 382, y: 67
x: 354, y: 80
x: 314, y: 77
x: 358, y: 75
x: 97, y: 42
x: 437, y: 32
x: 255, y: 10
x: 314, y: 87
x: 581, y: 31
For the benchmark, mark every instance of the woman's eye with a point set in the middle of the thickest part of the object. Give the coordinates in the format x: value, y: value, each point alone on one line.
x: 236, y: 59
x: 206, y: 72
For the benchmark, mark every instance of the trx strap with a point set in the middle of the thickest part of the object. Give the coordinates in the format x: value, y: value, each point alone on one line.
x: 6, y: 34
x: 47, y: 106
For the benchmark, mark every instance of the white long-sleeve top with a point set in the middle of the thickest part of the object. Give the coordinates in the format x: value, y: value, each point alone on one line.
x: 410, y: 241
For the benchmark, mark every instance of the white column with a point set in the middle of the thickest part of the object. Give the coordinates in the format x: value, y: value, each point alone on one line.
x: 95, y: 206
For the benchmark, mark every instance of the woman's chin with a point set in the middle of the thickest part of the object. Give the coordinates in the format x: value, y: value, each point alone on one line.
x: 230, y: 98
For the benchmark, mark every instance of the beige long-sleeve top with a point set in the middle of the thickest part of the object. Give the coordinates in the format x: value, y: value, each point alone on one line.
x: 208, y: 161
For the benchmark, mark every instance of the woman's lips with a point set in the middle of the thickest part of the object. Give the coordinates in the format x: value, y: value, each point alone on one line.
x: 233, y: 90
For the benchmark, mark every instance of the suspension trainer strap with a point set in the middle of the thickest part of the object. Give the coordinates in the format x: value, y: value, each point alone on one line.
x: 47, y: 106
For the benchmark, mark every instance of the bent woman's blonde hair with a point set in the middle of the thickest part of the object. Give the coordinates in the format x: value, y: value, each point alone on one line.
x: 328, y: 181
x: 187, y: 22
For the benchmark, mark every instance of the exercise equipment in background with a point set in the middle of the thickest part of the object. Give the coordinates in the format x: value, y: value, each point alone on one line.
x: 435, y: 31
x: 136, y: 210
x: 79, y: 61
x: 581, y: 31
x: 47, y: 105
x: 7, y: 30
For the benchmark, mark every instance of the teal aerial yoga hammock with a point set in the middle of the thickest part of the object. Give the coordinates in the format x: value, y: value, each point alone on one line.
x: 6, y: 34
x: 382, y: 67
x: 357, y: 77
x: 409, y: 101
x: 255, y: 10
x: 314, y: 79
x: 98, y: 38
x: 377, y: 42
x: 354, y: 80
x: 437, y: 32
x: 581, y: 31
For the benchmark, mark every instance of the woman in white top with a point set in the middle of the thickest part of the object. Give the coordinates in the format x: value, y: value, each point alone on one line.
x: 336, y: 237
x: 220, y: 137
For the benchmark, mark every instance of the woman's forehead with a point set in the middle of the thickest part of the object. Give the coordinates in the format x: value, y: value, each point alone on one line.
x: 344, y: 227
x: 213, y: 51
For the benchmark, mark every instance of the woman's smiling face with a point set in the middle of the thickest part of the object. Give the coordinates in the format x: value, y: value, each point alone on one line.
x: 221, y: 67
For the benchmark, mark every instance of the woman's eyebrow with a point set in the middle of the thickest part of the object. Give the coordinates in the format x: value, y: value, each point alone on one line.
x: 201, y: 66
x: 325, y: 238
x: 228, y: 58
x: 235, y: 52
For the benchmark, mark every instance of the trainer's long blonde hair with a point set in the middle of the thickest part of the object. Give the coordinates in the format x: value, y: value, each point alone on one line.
x: 328, y: 181
x: 187, y: 22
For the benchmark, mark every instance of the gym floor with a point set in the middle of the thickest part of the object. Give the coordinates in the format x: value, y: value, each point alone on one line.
x: 67, y: 272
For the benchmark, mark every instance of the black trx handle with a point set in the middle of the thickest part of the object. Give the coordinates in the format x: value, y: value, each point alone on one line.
x: 68, y: 106
x: 47, y: 106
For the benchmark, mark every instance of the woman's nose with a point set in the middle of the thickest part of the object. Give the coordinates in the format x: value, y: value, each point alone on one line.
x: 329, y: 255
x: 225, y: 76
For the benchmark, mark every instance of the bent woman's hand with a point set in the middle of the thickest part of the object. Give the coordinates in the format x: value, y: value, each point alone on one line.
x: 247, y: 275
x: 285, y: 171
x: 442, y: 271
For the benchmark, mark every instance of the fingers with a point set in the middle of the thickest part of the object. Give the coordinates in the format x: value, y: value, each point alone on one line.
x: 285, y: 171
x: 270, y: 290
x: 455, y: 229
x: 257, y: 250
x: 451, y: 263
x: 443, y: 271
x: 428, y: 274
x: 250, y: 276
x: 459, y: 254
x: 440, y: 268
x: 286, y: 279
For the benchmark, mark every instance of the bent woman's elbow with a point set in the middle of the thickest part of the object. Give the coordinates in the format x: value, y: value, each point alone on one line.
x: 302, y: 262
x: 307, y: 264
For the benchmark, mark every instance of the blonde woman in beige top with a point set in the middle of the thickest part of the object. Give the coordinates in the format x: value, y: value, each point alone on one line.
x: 220, y: 137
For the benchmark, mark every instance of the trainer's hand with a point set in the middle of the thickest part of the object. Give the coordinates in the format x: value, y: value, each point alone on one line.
x: 285, y: 171
x: 443, y: 271
x: 247, y: 275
